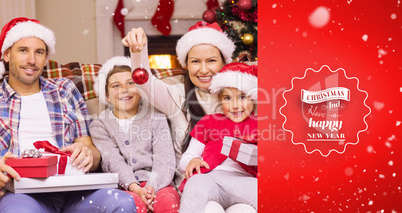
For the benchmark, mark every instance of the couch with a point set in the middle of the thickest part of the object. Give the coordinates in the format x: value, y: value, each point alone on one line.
x: 84, y: 75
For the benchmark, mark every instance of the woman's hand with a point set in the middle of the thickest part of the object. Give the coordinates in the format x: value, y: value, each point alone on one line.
x: 195, y: 163
x: 4, y: 178
x: 135, y: 40
x: 81, y: 156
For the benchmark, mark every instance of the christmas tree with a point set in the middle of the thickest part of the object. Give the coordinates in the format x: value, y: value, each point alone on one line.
x: 238, y: 18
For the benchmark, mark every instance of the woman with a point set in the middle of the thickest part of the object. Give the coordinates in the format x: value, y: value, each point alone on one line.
x: 202, y: 51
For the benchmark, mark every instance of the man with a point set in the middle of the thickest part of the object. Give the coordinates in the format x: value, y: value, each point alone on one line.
x: 33, y: 108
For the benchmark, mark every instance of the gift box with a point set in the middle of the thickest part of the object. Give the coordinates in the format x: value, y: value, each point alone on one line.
x: 44, y: 166
x: 240, y: 150
x: 60, y: 183
x: 69, y: 169
x: 64, y: 166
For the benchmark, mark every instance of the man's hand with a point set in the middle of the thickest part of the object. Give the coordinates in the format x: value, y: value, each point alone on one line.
x: 4, y: 178
x: 195, y: 163
x: 135, y: 40
x: 81, y: 156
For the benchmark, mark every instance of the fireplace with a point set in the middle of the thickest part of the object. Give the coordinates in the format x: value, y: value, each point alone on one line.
x: 161, y: 51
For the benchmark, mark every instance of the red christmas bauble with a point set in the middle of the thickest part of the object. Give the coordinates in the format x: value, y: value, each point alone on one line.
x: 209, y: 16
x: 245, y: 5
x: 140, y: 76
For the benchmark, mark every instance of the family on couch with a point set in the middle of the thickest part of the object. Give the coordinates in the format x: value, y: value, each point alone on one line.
x: 148, y: 160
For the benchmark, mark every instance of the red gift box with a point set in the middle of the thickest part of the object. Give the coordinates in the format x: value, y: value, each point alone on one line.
x: 240, y: 150
x: 44, y: 166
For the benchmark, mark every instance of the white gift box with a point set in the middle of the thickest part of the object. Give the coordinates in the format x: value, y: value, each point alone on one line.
x: 58, y: 183
x: 246, y: 153
x: 70, y: 169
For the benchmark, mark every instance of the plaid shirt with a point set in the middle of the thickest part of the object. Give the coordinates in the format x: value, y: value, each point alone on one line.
x: 67, y: 110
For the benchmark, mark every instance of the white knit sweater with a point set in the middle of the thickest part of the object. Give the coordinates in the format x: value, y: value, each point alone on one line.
x: 169, y: 99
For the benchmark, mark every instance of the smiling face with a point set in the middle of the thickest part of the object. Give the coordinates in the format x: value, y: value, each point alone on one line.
x: 235, y: 104
x: 27, y: 58
x: 203, y: 62
x: 122, y: 94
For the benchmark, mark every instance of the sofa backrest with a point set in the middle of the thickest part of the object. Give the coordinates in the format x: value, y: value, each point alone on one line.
x: 84, y: 75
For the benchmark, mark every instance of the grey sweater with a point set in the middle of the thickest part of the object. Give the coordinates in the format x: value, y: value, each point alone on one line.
x: 145, y: 153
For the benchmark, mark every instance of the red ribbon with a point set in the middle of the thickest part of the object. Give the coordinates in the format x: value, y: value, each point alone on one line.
x: 50, y: 148
x: 234, y: 149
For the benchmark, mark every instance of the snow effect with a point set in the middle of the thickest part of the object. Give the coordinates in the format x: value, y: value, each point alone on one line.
x: 320, y: 17
x: 378, y: 105
x: 364, y: 37
x: 393, y: 16
x: 124, y: 11
x: 370, y: 149
x: 349, y: 171
x: 381, y: 53
x: 85, y: 32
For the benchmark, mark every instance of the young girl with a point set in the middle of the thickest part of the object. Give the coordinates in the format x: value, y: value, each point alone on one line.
x: 218, y: 177
x: 134, y: 141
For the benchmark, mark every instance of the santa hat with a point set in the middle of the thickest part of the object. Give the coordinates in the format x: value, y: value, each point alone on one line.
x: 108, y: 66
x: 204, y: 33
x: 237, y: 75
x: 20, y: 28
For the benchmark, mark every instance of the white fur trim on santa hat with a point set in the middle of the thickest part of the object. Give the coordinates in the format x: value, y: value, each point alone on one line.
x: 204, y: 36
x: 108, y: 66
x: 244, y: 82
x: 29, y: 29
x: 2, y: 69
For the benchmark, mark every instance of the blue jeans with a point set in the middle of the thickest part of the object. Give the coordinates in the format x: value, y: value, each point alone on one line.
x: 102, y: 200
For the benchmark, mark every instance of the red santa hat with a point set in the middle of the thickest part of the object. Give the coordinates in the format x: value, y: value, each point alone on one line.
x: 108, y: 66
x: 204, y: 33
x: 20, y: 28
x: 237, y: 75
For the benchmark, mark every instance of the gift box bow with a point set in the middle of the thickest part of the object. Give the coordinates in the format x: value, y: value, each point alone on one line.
x: 50, y: 148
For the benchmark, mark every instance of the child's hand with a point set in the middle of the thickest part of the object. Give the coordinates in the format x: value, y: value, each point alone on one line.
x: 195, y: 163
x: 141, y: 192
x: 135, y: 40
x: 150, y: 196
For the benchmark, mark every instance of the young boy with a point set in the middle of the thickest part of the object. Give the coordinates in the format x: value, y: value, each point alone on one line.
x: 134, y: 141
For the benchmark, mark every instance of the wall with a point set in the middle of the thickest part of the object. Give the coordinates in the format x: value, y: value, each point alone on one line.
x: 73, y: 23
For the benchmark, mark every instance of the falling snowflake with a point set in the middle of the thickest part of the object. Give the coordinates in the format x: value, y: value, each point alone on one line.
x: 124, y: 11
x: 348, y: 171
x: 378, y: 105
x: 364, y: 37
x: 320, y: 17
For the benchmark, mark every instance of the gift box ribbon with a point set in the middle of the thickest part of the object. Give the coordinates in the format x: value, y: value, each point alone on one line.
x: 50, y: 148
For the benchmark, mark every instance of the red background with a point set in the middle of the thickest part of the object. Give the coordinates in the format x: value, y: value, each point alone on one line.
x: 368, y: 176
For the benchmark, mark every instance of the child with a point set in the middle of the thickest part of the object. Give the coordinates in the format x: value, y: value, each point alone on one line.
x: 134, y: 141
x: 223, y: 180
